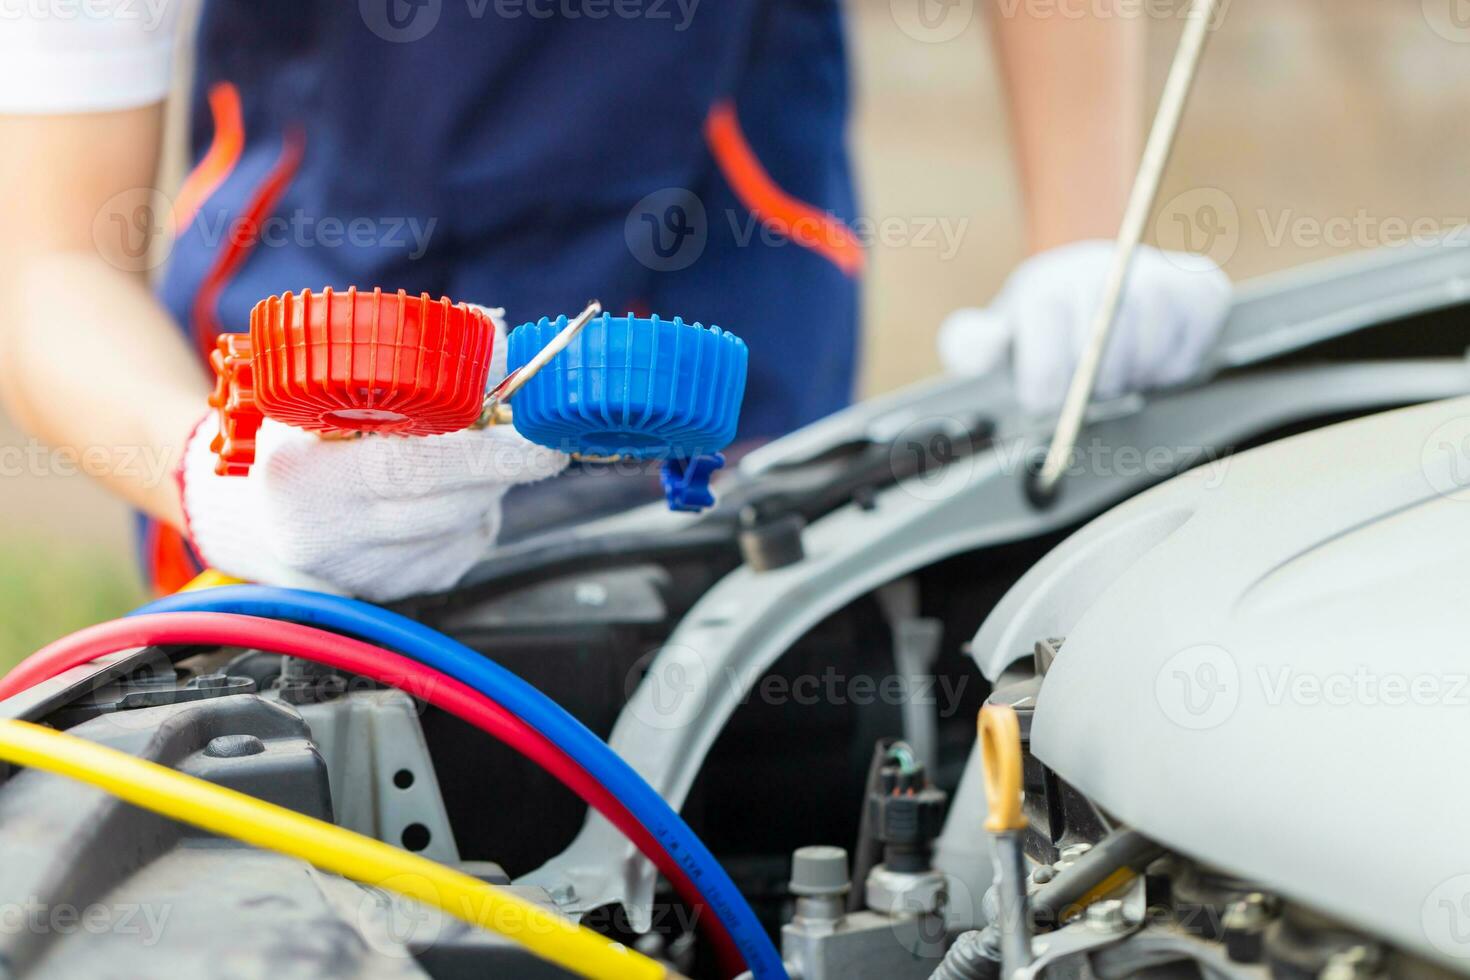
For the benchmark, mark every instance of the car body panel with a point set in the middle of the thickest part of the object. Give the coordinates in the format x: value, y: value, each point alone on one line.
x: 1264, y: 668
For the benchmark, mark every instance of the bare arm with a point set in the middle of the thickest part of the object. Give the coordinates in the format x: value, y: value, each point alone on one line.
x: 1074, y: 91
x: 88, y: 358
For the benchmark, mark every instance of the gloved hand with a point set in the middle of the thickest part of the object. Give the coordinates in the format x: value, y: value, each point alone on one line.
x: 1173, y: 307
x: 380, y: 517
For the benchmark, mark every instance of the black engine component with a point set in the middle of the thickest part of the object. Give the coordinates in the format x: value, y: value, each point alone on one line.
x: 906, y: 814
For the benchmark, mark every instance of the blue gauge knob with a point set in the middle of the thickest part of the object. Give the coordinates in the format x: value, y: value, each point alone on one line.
x: 648, y: 388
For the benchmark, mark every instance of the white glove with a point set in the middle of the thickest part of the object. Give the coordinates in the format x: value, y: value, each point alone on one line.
x: 380, y: 517
x: 1173, y: 307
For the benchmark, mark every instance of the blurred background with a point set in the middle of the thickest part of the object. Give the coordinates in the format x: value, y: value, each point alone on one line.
x: 1318, y: 128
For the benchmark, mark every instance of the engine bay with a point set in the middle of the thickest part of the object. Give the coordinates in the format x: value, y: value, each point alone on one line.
x: 797, y: 673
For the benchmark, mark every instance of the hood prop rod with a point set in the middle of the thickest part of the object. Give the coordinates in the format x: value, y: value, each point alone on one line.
x: 1042, y: 483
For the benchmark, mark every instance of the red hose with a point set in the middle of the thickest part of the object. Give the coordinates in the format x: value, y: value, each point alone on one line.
x: 385, y: 667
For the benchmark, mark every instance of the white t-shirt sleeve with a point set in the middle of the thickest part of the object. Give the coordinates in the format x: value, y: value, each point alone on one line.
x: 61, y: 56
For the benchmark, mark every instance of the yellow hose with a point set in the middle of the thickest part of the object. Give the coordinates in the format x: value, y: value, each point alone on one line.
x: 210, y: 579
x: 265, y: 825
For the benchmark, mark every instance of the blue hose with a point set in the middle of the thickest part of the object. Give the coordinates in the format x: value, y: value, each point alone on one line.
x: 388, y: 629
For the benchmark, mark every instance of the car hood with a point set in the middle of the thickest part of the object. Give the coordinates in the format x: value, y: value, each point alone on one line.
x: 1266, y: 667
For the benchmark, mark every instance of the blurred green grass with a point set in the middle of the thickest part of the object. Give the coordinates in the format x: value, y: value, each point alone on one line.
x: 48, y: 590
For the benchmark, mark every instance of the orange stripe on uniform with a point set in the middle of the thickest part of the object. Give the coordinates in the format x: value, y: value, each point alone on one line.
x: 763, y: 197
x: 215, y: 166
x: 170, y: 563
x: 243, y: 235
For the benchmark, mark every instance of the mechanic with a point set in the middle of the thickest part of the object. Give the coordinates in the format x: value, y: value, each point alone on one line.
x: 526, y: 154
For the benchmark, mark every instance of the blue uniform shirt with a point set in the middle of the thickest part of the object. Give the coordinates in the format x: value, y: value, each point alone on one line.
x: 683, y: 157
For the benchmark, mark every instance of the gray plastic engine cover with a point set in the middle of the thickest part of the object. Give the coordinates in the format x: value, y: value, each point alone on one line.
x: 1264, y: 668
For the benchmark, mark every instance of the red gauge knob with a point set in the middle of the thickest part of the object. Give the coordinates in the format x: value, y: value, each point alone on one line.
x: 370, y: 362
x: 234, y: 399
x: 341, y: 362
